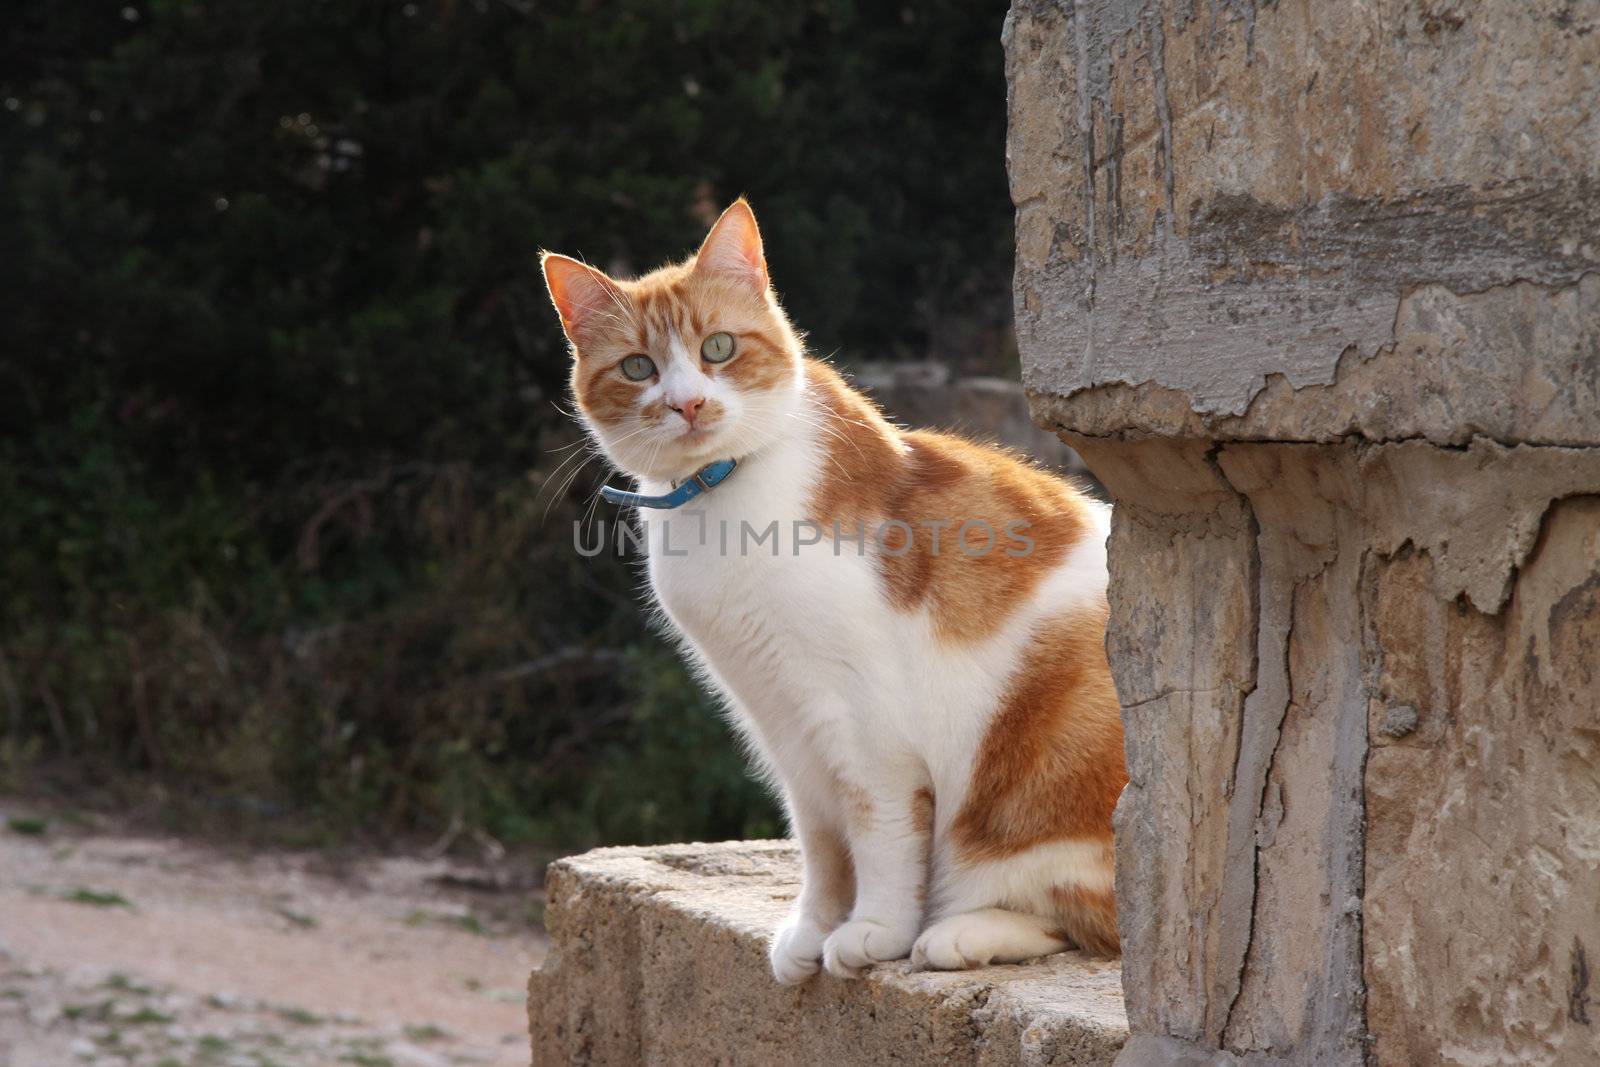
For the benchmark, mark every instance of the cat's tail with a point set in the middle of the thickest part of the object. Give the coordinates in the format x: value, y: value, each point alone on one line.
x: 1087, y: 917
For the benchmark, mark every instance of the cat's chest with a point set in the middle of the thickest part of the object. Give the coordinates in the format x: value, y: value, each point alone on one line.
x: 751, y: 560
x: 719, y: 562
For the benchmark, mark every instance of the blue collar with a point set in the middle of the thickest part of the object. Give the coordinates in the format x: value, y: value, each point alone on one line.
x: 703, y: 480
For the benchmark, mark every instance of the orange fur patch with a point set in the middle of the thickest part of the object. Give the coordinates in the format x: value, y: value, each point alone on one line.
x: 1050, y: 767
x: 922, y: 825
x: 761, y: 363
x: 1088, y: 919
x: 875, y: 472
x: 922, y: 811
x: 857, y: 807
x: 831, y: 860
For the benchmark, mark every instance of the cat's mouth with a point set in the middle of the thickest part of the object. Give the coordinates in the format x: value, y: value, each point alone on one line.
x: 694, y: 444
x: 710, y: 423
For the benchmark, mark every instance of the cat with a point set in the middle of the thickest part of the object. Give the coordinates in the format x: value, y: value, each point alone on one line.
x: 940, y: 720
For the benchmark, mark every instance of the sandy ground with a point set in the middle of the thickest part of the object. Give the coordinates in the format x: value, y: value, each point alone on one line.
x: 164, y: 953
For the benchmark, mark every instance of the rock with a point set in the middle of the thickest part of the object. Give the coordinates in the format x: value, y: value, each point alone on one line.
x: 995, y: 410
x: 1316, y: 296
x: 658, y: 956
x: 1399, y: 721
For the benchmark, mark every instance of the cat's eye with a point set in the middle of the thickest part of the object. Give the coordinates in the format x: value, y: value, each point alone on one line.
x: 717, y: 348
x: 638, y: 367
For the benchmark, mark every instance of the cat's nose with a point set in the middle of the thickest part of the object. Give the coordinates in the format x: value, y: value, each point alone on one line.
x: 689, y: 409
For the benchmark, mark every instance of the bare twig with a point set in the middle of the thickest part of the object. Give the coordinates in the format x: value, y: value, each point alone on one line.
x: 8, y: 689
x: 561, y: 657
x: 58, y: 721
x: 141, y: 706
x: 580, y: 736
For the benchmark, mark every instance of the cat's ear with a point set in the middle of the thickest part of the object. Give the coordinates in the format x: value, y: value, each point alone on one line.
x: 583, y: 296
x: 733, y: 248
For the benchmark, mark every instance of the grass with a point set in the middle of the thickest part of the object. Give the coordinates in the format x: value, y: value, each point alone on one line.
x: 105, y: 1011
x: 212, y: 1045
x: 28, y: 827
x: 96, y: 898
x: 300, y: 1016
x: 475, y: 985
x: 300, y: 919
x: 425, y: 1033
x: 468, y: 922
x: 123, y: 984
x: 99, y: 1011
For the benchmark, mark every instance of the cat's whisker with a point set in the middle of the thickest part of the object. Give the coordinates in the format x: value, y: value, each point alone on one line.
x: 836, y: 416
x: 578, y: 458
x: 594, y: 453
x: 584, y: 459
x: 829, y: 430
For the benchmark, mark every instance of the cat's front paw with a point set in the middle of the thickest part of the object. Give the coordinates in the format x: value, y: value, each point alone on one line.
x: 863, y: 942
x: 979, y: 938
x: 955, y: 944
x: 796, y: 949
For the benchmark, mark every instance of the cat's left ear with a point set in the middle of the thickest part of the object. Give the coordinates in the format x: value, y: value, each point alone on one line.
x: 733, y: 248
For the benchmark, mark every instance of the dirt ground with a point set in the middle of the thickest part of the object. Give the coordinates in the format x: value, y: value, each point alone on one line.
x: 157, y: 952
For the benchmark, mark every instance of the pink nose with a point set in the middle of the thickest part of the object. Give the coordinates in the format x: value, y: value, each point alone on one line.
x: 689, y: 409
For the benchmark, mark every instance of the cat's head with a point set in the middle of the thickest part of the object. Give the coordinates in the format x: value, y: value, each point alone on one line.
x: 689, y: 364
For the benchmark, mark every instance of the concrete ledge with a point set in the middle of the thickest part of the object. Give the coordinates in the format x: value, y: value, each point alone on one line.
x: 658, y: 956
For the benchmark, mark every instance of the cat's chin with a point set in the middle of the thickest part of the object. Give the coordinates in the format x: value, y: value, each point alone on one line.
x: 682, y: 457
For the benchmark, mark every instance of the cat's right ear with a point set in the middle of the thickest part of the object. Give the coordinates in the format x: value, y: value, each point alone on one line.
x: 583, y: 296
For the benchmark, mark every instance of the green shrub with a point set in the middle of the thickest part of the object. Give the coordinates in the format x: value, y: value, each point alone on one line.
x: 284, y: 530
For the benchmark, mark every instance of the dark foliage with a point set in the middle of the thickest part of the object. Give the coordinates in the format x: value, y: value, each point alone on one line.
x: 284, y: 534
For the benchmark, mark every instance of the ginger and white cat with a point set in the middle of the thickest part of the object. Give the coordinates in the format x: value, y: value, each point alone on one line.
x: 939, y: 717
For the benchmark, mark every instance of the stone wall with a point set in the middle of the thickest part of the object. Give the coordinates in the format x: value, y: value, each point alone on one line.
x: 658, y: 956
x: 1314, y: 290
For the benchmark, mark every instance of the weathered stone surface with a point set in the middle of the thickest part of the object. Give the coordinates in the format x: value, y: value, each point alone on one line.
x: 1213, y: 197
x: 1482, y: 920
x: 1297, y: 872
x: 658, y: 956
x: 1314, y: 290
x: 1513, y: 364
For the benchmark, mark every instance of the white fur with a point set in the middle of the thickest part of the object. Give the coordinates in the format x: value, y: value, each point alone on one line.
x: 983, y: 936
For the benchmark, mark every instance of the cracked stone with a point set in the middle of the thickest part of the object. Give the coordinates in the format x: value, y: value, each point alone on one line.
x: 1318, y: 301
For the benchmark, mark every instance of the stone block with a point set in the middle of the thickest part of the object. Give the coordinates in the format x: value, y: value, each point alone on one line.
x: 658, y: 957
x: 1314, y: 290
